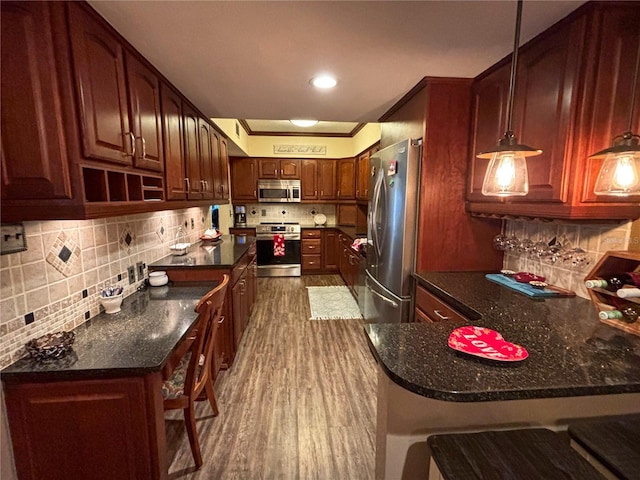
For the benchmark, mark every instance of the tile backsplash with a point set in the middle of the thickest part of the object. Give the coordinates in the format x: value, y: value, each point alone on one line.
x: 289, y: 212
x: 54, y: 284
x: 594, y: 239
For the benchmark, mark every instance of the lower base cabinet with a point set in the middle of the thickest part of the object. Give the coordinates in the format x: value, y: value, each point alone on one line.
x: 319, y: 251
x: 349, y: 263
x: 429, y: 308
x: 244, y: 294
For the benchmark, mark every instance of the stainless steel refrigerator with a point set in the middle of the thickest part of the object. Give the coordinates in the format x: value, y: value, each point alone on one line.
x: 394, y: 177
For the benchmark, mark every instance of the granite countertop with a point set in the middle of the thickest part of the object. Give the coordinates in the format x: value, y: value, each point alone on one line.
x: 224, y: 253
x: 137, y: 340
x: 350, y: 231
x: 571, y: 353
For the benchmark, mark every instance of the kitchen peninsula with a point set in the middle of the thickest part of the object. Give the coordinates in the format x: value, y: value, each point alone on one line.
x: 577, y: 367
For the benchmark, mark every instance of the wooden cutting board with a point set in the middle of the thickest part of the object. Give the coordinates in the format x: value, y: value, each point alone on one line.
x: 549, y: 291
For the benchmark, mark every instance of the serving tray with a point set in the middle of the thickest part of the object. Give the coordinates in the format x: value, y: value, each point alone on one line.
x: 550, y: 291
x: 485, y: 343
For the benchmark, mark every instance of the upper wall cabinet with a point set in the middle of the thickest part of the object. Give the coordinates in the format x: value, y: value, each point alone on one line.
x: 572, y: 97
x: 174, y: 153
x: 346, y: 179
x: 244, y: 180
x: 276, y: 168
x: 34, y: 153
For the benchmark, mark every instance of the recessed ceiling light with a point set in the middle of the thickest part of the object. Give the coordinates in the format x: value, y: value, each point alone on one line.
x: 324, y: 81
x: 304, y: 123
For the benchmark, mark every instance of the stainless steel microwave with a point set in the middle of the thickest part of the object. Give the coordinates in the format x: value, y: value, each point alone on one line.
x: 278, y: 191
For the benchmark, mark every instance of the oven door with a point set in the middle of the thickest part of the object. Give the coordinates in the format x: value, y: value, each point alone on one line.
x: 287, y: 265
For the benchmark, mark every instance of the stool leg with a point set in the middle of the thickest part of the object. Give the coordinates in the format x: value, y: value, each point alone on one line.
x: 211, y: 395
x: 190, y: 421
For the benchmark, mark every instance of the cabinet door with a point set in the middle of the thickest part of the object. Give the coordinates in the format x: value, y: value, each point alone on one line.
x: 144, y: 105
x: 269, y: 168
x: 244, y: 180
x: 489, y: 100
x: 330, y: 258
x: 101, y: 89
x: 290, y: 169
x: 346, y: 179
x: 34, y: 155
x: 206, y: 158
x: 215, y: 183
x: 240, y: 309
x: 309, y: 179
x: 547, y: 95
x: 362, y: 177
x: 174, y: 162
x: 326, y: 179
x: 224, y: 169
x: 191, y: 154
x: 611, y: 92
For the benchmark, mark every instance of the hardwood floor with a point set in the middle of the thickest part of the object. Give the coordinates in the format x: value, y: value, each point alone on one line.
x: 298, y: 403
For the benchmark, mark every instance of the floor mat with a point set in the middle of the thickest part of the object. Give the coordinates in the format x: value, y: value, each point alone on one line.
x: 332, y: 303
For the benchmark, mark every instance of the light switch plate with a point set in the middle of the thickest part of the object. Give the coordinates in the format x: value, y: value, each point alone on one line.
x: 131, y: 272
x: 12, y: 238
x: 140, y: 270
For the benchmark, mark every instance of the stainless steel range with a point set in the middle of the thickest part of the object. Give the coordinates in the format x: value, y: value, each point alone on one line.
x: 273, y: 260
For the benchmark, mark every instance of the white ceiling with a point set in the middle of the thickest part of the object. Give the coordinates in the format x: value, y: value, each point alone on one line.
x: 258, y: 127
x: 254, y: 59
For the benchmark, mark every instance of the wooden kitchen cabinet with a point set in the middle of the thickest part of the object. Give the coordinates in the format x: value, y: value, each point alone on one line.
x: 175, y: 167
x: 574, y: 85
x: 222, y: 179
x: 275, y: 168
x: 191, y: 147
x: 309, y: 179
x: 362, y: 176
x: 311, y: 250
x: 346, y: 179
x: 429, y: 308
x: 208, y: 149
x: 330, y: 251
x: 244, y: 180
x: 327, y: 179
x: 250, y: 232
x: 349, y: 263
x: 35, y: 158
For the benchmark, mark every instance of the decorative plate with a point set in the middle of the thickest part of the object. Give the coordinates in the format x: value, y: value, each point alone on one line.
x: 526, y: 277
x: 320, y: 219
x: 50, y: 346
x: 486, y: 343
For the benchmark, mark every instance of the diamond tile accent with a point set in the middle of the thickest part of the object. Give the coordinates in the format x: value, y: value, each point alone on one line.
x: 63, y: 254
x: 161, y: 231
x: 127, y: 238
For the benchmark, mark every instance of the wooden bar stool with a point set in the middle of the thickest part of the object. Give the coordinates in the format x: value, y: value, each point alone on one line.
x: 613, y: 442
x: 525, y: 454
x: 192, y: 377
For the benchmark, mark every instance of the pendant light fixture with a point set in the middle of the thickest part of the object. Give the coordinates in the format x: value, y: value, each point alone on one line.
x: 620, y: 171
x: 506, y: 175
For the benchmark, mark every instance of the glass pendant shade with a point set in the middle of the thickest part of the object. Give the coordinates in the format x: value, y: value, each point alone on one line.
x: 506, y: 175
x: 620, y: 174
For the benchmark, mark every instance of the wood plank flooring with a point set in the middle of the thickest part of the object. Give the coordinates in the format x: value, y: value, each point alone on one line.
x: 298, y: 403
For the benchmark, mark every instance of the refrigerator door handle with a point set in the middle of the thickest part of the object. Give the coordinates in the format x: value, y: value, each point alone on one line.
x: 374, y: 213
x: 382, y: 297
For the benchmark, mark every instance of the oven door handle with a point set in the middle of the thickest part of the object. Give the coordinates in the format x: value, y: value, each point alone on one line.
x: 287, y: 236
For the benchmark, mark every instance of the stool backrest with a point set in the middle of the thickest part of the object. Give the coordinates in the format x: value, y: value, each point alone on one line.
x: 209, y: 310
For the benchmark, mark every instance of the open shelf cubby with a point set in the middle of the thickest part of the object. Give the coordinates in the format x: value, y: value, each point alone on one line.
x: 95, y: 185
x: 610, y: 263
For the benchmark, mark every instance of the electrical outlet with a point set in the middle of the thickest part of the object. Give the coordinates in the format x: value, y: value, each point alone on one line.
x: 193, y: 225
x: 131, y: 272
x: 140, y: 269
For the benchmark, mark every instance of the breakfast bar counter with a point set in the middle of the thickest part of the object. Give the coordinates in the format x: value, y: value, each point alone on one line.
x: 577, y: 367
x: 98, y: 411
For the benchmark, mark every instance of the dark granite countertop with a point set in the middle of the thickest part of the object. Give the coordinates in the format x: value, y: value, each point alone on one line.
x: 571, y: 353
x: 137, y: 340
x: 224, y: 253
x: 352, y: 232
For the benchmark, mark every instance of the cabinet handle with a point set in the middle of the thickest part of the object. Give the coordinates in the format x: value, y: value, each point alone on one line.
x: 188, y: 184
x: 132, y: 137
x: 221, y: 319
x: 255, y: 194
x: 322, y: 193
x: 440, y: 315
x: 338, y: 193
x: 144, y: 148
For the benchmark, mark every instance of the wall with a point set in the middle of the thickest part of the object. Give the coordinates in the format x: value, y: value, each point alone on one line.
x: 595, y: 239
x: 37, y: 298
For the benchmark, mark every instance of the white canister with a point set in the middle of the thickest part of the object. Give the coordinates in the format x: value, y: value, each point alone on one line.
x: 158, y: 279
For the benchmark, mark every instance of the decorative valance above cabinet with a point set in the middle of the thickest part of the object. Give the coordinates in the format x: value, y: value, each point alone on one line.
x: 574, y: 82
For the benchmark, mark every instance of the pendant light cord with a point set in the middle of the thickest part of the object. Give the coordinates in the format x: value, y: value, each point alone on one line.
x: 634, y: 89
x: 514, y: 67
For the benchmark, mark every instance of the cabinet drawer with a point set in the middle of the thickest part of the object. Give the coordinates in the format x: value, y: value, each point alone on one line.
x: 434, y: 308
x: 311, y: 246
x: 311, y: 234
x: 311, y: 262
x: 421, y: 317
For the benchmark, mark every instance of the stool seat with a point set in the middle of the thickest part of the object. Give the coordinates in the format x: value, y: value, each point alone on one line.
x: 525, y: 454
x: 613, y: 441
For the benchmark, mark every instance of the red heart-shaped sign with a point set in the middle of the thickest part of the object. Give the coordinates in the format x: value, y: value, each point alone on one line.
x: 486, y: 343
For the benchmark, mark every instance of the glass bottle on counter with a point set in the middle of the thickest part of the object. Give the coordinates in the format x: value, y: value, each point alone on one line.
x: 615, y: 281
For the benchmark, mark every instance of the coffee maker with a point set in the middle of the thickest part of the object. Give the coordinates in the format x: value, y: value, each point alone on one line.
x: 240, y: 216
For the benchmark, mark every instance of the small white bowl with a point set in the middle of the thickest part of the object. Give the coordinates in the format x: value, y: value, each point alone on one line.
x: 158, y: 279
x: 111, y: 304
